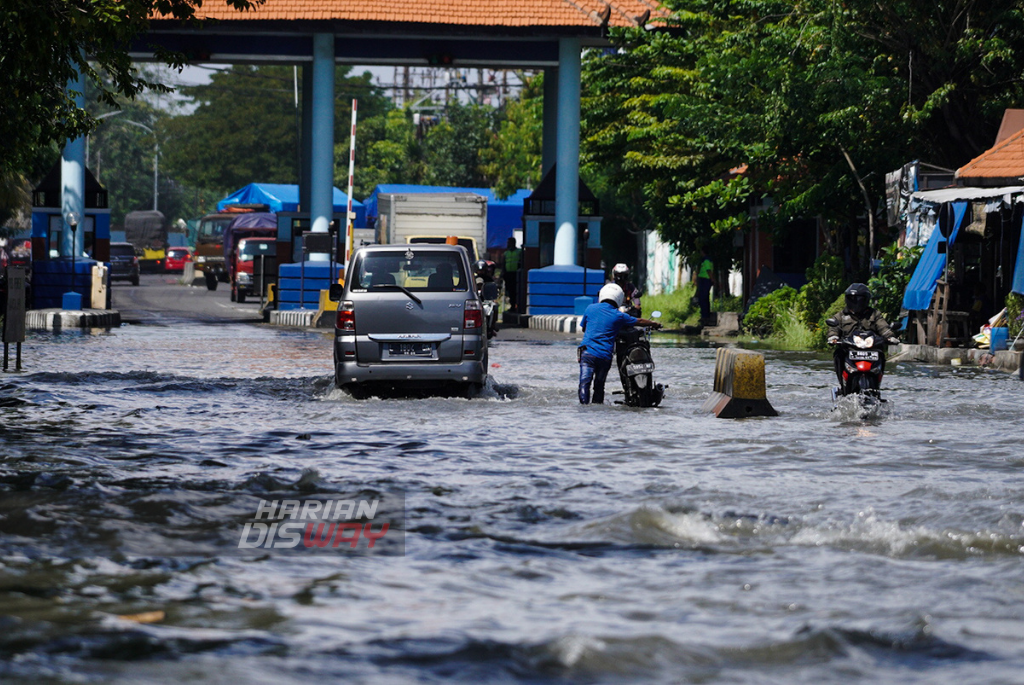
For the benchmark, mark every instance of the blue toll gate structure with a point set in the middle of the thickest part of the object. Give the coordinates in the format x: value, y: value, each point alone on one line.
x: 504, y: 217
x: 52, y: 274
x: 553, y: 288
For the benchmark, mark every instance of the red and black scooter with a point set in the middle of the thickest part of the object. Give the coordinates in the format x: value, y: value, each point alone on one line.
x: 860, y: 362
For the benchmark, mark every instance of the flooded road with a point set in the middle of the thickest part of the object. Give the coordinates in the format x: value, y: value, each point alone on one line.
x: 544, y: 541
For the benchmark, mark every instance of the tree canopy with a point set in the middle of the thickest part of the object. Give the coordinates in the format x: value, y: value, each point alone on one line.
x: 799, y: 101
x: 45, y: 43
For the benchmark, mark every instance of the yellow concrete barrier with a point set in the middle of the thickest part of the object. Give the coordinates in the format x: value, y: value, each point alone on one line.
x: 740, y: 389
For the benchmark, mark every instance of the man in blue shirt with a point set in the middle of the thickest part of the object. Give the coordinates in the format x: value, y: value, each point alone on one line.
x: 601, y: 324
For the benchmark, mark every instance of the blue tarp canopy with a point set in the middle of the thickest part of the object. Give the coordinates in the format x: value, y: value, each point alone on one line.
x: 503, y: 216
x: 1018, y: 270
x: 922, y: 284
x: 283, y: 197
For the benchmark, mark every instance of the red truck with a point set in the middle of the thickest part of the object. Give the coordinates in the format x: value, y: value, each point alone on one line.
x: 248, y: 238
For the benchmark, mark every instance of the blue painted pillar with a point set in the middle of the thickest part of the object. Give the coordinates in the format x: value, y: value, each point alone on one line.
x: 549, y: 144
x: 321, y: 200
x: 568, y: 157
x: 72, y: 173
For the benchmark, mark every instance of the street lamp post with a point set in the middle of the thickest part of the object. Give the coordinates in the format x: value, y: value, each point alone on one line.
x: 156, y: 154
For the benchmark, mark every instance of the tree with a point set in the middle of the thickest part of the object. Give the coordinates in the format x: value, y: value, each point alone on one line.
x: 451, y: 149
x: 512, y: 160
x: 386, y: 152
x: 809, y: 103
x: 245, y: 127
x: 43, y: 43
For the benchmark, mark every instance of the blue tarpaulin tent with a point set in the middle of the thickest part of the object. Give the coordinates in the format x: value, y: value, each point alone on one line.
x: 1018, y: 270
x: 282, y: 197
x: 922, y: 283
x: 503, y: 216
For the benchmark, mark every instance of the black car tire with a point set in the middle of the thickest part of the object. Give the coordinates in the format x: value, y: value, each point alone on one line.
x: 211, y: 281
x: 135, y: 280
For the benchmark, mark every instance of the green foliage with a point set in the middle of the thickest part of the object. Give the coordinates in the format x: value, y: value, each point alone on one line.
x: 513, y: 158
x: 388, y: 153
x: 677, y: 308
x: 763, y: 316
x: 890, y: 284
x: 825, y: 281
x: 44, y: 43
x: 1014, y: 313
x: 452, y: 149
x: 767, y: 97
x: 819, y: 334
x: 245, y: 128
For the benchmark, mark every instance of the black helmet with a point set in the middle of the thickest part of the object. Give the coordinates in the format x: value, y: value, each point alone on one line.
x: 858, y: 298
x: 480, y: 266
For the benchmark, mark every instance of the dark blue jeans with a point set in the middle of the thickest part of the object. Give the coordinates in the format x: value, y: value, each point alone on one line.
x: 593, y: 370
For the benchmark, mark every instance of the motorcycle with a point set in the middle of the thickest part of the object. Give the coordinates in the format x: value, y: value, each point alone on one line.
x: 490, y: 295
x: 862, y: 363
x: 636, y: 367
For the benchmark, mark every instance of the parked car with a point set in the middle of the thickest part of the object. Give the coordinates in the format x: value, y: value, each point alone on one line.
x: 409, y: 320
x: 124, y: 264
x: 177, y: 258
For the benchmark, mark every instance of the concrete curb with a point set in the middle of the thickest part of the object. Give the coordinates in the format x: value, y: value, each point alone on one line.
x: 293, y: 317
x: 59, y: 319
x: 560, y: 323
x: 1007, y: 360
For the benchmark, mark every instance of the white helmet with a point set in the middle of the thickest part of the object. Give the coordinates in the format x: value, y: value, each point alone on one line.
x: 620, y: 269
x: 611, y: 292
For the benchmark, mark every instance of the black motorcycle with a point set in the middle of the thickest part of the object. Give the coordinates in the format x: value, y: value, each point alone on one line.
x: 636, y: 367
x: 860, y: 359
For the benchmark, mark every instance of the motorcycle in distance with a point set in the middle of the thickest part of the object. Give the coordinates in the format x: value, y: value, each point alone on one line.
x: 862, y: 364
x: 636, y: 367
x: 490, y: 294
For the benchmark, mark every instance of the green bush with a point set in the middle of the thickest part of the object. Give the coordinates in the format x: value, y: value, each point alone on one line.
x: 763, y: 315
x: 889, y: 285
x: 825, y: 280
x: 1014, y: 313
x: 819, y: 335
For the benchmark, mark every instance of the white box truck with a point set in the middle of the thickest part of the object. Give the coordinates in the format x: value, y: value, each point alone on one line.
x: 432, y: 218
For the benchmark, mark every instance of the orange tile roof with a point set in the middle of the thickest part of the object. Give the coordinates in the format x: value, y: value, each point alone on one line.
x: 1004, y: 161
x: 493, y: 13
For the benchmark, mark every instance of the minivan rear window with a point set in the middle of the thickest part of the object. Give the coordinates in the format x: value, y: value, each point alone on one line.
x: 122, y: 251
x: 424, y: 271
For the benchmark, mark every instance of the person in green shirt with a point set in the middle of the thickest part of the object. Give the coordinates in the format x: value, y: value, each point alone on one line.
x: 511, y: 273
x: 705, y: 279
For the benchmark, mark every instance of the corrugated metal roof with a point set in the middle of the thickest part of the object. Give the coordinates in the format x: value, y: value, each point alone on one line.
x: 501, y: 13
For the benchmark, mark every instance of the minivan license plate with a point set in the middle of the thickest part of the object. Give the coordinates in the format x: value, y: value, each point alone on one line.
x: 410, y: 349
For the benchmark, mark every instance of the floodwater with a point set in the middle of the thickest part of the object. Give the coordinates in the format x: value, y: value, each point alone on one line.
x: 544, y: 541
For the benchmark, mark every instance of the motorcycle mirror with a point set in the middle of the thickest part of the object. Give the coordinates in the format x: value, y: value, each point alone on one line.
x: 831, y: 322
x: 655, y: 314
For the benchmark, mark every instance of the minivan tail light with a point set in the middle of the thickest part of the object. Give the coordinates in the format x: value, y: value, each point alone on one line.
x: 346, y: 320
x: 473, y: 315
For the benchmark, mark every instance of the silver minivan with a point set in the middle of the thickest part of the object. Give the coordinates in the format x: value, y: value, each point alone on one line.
x: 409, y: 320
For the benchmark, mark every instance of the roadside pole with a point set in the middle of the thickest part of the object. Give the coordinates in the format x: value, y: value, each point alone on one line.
x: 349, y: 216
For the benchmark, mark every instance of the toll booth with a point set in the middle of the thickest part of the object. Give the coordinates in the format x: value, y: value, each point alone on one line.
x: 52, y: 275
x: 299, y: 281
x: 554, y: 289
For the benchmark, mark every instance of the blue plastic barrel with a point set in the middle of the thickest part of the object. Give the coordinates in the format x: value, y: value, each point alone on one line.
x: 999, y: 338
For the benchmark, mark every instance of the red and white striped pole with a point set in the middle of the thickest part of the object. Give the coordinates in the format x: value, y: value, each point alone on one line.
x: 350, y: 216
